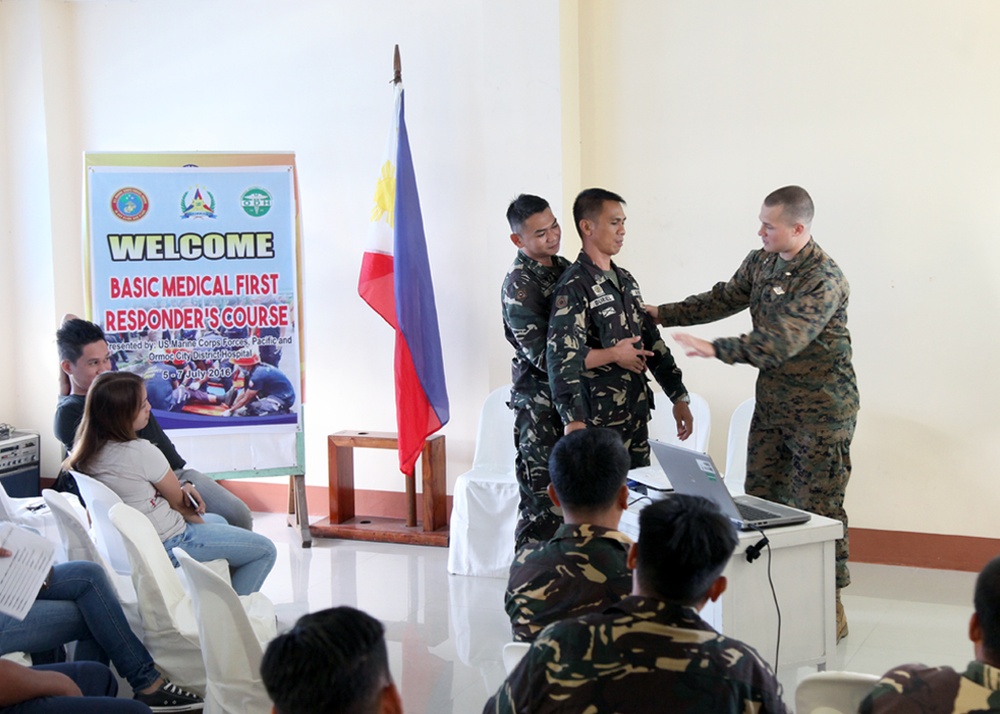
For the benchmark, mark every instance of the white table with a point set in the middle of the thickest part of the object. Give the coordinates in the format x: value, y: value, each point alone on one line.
x: 802, y: 568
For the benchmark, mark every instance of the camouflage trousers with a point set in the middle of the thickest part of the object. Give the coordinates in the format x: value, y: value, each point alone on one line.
x: 536, y: 430
x: 805, y: 466
x: 627, y: 412
x: 635, y: 436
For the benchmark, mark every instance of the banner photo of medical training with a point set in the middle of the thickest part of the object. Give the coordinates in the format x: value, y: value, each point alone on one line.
x: 194, y: 280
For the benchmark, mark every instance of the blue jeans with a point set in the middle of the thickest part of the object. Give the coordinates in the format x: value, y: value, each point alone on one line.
x: 251, y: 556
x: 80, y: 604
x: 218, y: 499
x: 99, y: 688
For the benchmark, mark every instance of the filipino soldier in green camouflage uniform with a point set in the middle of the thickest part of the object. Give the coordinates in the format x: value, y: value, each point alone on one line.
x: 527, y: 300
x: 651, y: 652
x: 807, y: 395
x: 601, y: 340
x: 583, y: 568
x: 916, y: 688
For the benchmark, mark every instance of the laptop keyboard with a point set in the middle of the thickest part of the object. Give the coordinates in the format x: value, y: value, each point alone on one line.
x: 752, y: 513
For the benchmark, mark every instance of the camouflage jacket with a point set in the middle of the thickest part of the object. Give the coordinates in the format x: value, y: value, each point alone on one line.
x: 527, y: 301
x: 935, y: 690
x: 799, y: 341
x: 641, y: 655
x: 589, y: 312
x: 581, y: 570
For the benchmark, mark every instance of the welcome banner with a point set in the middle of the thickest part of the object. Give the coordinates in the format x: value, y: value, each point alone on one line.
x: 194, y: 277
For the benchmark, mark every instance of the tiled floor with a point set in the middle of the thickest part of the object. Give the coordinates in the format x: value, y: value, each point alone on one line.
x: 446, y: 632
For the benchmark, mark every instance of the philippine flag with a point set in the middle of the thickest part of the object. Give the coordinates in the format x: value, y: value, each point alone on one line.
x: 396, y: 282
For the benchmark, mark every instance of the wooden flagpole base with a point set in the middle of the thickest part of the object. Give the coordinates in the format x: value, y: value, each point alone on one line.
x: 345, y: 523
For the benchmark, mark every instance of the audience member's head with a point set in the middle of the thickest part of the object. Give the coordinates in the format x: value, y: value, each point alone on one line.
x: 83, y: 353
x: 985, y: 627
x: 113, y: 404
x: 588, y: 468
x: 589, y: 205
x: 684, y: 545
x: 332, y: 662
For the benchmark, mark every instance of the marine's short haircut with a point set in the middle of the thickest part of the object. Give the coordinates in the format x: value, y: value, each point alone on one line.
x: 797, y: 205
x: 522, y: 208
x: 588, y: 467
x: 987, y: 602
x: 74, y: 335
x: 589, y: 204
x: 684, y: 545
x: 332, y: 662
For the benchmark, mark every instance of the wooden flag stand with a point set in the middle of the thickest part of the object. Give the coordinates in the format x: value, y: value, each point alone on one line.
x: 344, y: 523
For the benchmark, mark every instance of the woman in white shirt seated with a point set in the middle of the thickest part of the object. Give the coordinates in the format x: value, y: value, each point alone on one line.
x: 108, y: 449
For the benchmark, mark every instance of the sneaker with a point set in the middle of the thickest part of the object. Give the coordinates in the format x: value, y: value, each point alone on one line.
x: 171, y: 698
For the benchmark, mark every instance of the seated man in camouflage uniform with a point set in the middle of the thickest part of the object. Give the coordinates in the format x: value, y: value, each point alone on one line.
x: 651, y: 652
x: 918, y: 688
x: 583, y: 568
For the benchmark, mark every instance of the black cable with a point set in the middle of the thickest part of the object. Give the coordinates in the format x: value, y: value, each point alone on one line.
x: 774, y: 595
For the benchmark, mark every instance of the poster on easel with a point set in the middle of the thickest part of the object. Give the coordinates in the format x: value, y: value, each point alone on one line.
x: 194, y: 275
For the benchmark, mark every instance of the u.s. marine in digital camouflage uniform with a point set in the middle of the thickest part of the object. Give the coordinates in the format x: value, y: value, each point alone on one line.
x: 936, y: 690
x: 526, y: 299
x: 582, y: 569
x: 807, y: 394
x: 594, y: 309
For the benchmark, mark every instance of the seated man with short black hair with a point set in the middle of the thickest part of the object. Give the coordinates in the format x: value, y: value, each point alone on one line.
x: 918, y: 688
x: 332, y: 662
x: 651, y: 652
x: 583, y: 568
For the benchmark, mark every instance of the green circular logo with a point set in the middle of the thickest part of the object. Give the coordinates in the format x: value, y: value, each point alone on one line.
x: 256, y: 202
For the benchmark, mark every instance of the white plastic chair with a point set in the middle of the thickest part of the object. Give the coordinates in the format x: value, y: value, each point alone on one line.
x: 513, y: 652
x: 833, y: 692
x: 484, y: 504
x: 170, y: 629
x: 662, y: 426
x: 80, y: 546
x: 232, y: 649
x: 736, y: 447
x: 99, y: 499
x: 33, y: 514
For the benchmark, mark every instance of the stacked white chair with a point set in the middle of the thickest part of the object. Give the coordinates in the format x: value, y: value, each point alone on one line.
x: 833, y: 692
x: 662, y: 426
x: 170, y: 629
x: 34, y: 515
x: 231, y: 648
x: 736, y: 447
x: 99, y: 499
x: 80, y: 546
x: 513, y: 652
x: 484, y: 505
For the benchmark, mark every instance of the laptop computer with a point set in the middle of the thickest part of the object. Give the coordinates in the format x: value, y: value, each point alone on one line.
x: 695, y: 474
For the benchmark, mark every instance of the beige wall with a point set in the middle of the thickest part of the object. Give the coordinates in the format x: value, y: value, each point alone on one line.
x: 885, y: 111
x: 693, y: 111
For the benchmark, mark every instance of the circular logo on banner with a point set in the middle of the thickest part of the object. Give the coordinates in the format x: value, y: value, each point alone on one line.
x: 129, y: 204
x: 256, y: 202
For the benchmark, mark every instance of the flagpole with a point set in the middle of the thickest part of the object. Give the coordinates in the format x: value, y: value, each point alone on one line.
x: 411, y: 480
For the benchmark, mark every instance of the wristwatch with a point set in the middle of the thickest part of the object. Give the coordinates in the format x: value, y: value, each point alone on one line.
x: 686, y: 398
